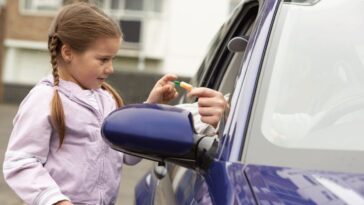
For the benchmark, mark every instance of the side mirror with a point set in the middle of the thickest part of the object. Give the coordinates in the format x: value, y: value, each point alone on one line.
x: 152, y: 131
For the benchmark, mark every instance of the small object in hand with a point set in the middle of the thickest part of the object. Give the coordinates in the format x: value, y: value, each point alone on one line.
x: 183, y: 85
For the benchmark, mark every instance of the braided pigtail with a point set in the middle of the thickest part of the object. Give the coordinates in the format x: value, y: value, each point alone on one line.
x: 57, y: 113
x: 118, y: 100
x: 77, y: 25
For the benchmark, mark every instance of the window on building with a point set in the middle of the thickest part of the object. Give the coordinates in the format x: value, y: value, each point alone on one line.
x: 41, y: 5
x: 135, y: 5
x: 133, y: 16
x: 50, y: 7
x: 131, y: 30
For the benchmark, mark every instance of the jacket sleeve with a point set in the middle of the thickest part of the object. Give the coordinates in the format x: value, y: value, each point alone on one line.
x: 28, y: 150
x: 200, y: 127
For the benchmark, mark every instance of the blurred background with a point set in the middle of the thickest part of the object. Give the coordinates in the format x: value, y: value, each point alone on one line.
x: 160, y: 36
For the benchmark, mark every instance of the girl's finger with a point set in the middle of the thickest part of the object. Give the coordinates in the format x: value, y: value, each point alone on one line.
x: 172, y: 94
x: 169, y: 96
x: 166, y: 78
x: 175, y: 95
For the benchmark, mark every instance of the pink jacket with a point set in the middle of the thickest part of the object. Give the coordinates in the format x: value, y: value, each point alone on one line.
x: 84, y: 170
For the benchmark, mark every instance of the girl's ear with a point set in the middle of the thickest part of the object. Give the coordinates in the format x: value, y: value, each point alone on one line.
x: 66, y: 53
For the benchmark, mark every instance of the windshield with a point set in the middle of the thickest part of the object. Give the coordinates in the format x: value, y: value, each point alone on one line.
x: 315, y: 58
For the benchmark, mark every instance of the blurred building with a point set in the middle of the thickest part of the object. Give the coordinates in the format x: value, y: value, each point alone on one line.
x: 160, y: 36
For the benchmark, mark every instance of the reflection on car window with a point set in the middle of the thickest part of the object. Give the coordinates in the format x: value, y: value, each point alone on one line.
x: 196, y: 80
x: 315, y: 97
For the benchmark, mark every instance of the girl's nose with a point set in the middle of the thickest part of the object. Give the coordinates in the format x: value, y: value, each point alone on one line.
x: 109, y: 69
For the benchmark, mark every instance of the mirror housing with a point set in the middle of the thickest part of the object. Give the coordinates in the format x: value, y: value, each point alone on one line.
x: 152, y: 131
x: 237, y: 44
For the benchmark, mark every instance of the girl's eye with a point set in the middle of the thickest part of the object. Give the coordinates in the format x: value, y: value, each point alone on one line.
x: 104, y: 60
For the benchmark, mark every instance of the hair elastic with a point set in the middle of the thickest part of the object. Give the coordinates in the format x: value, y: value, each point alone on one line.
x: 55, y: 87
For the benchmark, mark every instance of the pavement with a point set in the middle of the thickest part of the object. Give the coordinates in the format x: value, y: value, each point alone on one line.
x: 130, y: 175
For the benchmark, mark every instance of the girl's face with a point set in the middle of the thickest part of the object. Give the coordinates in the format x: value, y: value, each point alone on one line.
x: 91, y: 68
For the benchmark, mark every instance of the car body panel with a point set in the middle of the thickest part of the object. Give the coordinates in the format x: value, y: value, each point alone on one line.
x: 278, y: 185
x: 228, y: 184
x: 144, y: 190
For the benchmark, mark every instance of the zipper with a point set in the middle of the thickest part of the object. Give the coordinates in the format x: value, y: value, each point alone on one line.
x: 100, y: 181
x: 96, y: 112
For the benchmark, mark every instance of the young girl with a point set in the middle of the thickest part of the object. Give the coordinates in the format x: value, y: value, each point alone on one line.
x: 56, y: 154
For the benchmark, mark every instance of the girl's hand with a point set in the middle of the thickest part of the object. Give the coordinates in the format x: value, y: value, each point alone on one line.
x: 211, y: 104
x: 64, y: 202
x: 163, y: 91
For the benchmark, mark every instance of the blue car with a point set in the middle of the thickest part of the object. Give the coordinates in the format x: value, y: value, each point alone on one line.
x: 294, y: 133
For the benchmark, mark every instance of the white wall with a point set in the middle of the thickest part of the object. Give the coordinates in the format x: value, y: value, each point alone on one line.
x: 179, y: 37
x: 191, y: 24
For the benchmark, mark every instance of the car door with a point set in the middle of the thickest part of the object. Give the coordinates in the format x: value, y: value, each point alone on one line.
x: 218, y: 71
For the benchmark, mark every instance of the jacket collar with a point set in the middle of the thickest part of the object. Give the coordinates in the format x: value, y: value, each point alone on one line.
x: 74, y: 92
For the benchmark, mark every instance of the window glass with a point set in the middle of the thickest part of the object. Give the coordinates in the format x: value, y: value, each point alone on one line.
x: 315, y: 96
x: 28, y: 4
x: 131, y: 30
x: 134, y: 18
x: 115, y: 4
x: 134, y: 5
x: 99, y: 3
x: 41, y: 5
x: 157, y: 6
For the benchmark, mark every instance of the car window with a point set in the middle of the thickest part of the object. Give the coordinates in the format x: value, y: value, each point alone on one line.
x: 316, y: 91
x: 223, y: 61
x: 218, y: 57
x: 218, y: 70
x: 227, y: 79
x: 197, y: 80
x: 310, y: 98
x: 231, y: 65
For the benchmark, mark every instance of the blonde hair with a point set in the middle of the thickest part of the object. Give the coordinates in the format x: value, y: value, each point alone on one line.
x: 77, y: 25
